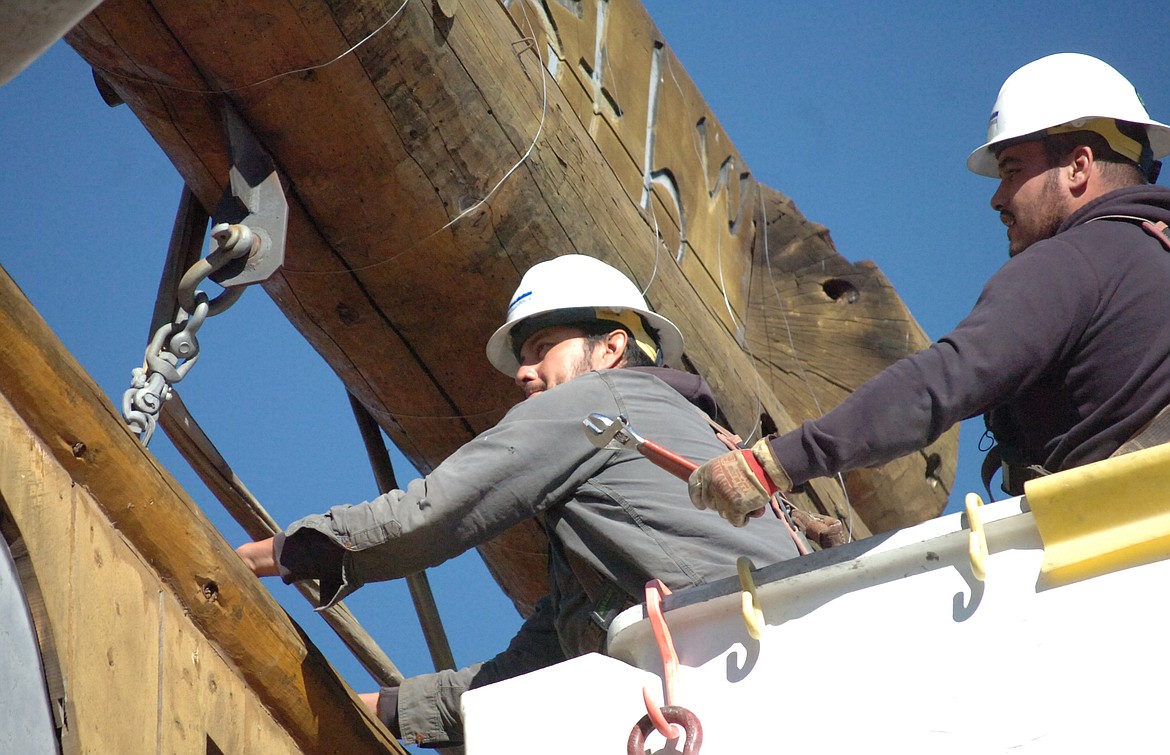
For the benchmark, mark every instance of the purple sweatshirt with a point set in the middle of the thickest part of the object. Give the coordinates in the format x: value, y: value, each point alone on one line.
x: 1069, y: 342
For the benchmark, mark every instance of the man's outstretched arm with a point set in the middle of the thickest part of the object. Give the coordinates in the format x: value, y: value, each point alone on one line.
x: 260, y: 557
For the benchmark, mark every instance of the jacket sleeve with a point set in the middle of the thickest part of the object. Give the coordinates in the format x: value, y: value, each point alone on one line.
x: 536, y: 456
x: 1030, y: 313
x: 429, y: 705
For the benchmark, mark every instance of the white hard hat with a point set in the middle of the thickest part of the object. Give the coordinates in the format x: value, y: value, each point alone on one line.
x: 578, y: 282
x: 1066, y: 89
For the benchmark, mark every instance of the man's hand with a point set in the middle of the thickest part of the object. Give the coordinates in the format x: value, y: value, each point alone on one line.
x: 260, y: 557
x: 370, y: 700
x: 384, y: 705
x: 736, y: 484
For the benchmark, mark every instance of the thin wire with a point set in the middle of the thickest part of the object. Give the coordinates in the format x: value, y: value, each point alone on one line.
x: 784, y: 313
x: 609, y: 69
x: 529, y: 42
x: 306, y: 69
x: 722, y: 285
x: 532, y: 43
x: 698, y: 148
x: 659, y: 243
x: 758, y: 426
x: 678, y: 86
x: 799, y: 362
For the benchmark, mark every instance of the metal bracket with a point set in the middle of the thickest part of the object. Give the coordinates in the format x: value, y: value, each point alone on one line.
x: 249, y: 232
x: 254, y: 198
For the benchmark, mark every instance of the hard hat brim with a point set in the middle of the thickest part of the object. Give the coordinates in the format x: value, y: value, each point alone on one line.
x: 983, y: 161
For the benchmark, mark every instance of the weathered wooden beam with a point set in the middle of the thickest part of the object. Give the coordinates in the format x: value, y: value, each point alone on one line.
x: 801, y: 290
x: 127, y: 669
x: 67, y: 413
x: 435, y: 151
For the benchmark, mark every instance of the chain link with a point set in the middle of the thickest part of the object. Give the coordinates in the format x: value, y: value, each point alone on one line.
x: 174, y: 348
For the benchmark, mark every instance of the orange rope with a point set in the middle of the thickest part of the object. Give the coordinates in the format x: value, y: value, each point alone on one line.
x: 655, y: 591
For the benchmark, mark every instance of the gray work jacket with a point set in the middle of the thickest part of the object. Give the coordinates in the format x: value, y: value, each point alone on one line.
x: 612, y: 509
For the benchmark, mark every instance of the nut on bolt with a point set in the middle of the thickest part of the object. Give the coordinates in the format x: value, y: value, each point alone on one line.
x: 237, y: 240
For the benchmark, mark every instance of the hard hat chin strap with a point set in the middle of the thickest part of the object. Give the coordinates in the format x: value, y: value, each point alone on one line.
x: 1149, y: 167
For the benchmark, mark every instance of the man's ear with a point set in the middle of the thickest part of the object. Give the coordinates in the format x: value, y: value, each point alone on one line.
x: 1080, y: 169
x: 611, y: 352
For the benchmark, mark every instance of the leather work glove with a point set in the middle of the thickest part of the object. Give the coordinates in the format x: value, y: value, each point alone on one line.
x: 738, y: 484
x: 825, y: 531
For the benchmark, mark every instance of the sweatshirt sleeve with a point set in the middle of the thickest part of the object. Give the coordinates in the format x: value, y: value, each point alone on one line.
x: 536, y: 456
x: 1028, y: 317
x: 428, y: 706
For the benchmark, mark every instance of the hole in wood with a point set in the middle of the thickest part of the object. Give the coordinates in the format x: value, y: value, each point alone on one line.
x: 346, y: 315
x: 839, y: 289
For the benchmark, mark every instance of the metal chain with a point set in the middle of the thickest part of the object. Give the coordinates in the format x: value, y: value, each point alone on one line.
x: 174, y: 348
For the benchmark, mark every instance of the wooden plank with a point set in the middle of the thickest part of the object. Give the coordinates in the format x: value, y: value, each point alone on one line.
x: 31, y: 28
x: 114, y: 646
x: 203, y: 704
x: 142, y: 506
x: 107, y: 617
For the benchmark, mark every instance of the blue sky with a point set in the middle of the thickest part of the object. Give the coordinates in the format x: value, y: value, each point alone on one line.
x: 862, y: 112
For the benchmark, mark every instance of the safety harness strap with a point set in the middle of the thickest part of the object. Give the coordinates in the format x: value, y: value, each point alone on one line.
x: 1154, y: 433
x: 1014, y: 471
x: 605, y: 597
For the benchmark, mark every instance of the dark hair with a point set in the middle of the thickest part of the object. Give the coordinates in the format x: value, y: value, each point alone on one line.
x: 596, y: 332
x: 585, y: 320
